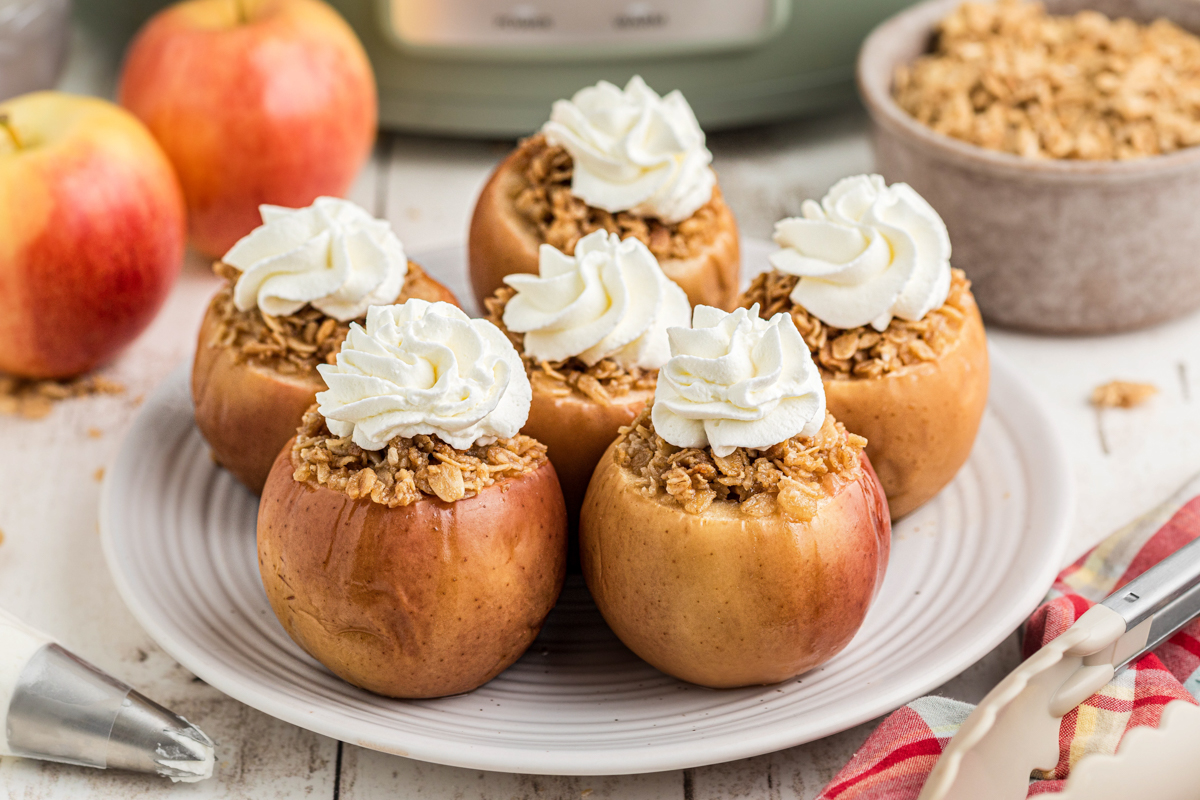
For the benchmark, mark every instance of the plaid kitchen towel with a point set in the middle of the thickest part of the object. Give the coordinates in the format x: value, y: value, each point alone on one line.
x: 894, y: 762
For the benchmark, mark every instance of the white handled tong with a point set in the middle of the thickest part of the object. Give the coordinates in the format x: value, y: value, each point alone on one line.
x: 1015, y: 729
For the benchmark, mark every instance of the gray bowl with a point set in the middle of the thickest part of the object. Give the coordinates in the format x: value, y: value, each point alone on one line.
x: 1049, y: 245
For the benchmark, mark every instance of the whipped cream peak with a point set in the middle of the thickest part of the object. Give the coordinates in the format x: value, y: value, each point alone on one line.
x: 866, y: 253
x: 610, y: 299
x: 425, y: 368
x: 633, y: 150
x: 735, y: 380
x: 332, y: 255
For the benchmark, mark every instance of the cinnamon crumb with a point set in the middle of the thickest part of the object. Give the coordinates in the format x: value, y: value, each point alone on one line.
x: 562, y: 219
x: 789, y: 478
x: 408, y: 468
x: 602, y: 382
x: 98, y: 475
x: 864, y: 352
x: 1122, y: 394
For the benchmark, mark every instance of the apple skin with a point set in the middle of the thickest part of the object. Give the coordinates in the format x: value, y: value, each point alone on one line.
x: 91, y: 233
x: 276, y: 107
x: 424, y: 600
x: 724, y: 600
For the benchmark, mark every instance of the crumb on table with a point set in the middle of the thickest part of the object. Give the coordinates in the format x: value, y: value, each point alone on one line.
x: 34, y: 398
x: 1122, y: 394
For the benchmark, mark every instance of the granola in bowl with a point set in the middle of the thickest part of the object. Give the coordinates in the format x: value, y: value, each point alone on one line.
x: 1011, y: 77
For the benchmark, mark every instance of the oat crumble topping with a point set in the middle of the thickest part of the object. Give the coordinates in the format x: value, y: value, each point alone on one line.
x: 602, y: 382
x: 789, y: 478
x: 33, y: 398
x: 563, y: 219
x: 1122, y: 394
x: 864, y: 352
x: 1010, y: 77
x: 291, y: 345
x: 407, y: 469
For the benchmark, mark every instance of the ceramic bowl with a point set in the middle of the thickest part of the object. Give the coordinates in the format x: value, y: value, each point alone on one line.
x: 1049, y: 245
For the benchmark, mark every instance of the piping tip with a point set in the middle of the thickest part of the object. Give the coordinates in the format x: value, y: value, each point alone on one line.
x: 148, y: 738
x: 64, y: 709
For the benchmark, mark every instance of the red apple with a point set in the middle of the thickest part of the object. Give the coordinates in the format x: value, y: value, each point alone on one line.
x: 254, y: 101
x: 91, y: 232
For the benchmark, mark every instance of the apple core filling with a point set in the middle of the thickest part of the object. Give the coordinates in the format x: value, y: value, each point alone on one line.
x: 864, y: 352
x: 291, y: 345
x: 408, y: 468
x: 562, y: 219
x: 603, y: 382
x: 788, y: 479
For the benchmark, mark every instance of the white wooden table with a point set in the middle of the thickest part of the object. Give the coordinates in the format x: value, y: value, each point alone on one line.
x: 52, y: 572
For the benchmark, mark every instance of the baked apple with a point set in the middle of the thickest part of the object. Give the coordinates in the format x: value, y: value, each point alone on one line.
x: 735, y: 534
x: 292, y: 288
x: 895, y: 331
x: 628, y: 162
x: 409, y: 538
x: 591, y: 329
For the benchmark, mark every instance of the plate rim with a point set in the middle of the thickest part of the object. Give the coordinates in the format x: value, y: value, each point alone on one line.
x: 1057, y: 506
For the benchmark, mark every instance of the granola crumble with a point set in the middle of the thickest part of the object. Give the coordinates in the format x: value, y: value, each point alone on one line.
x: 1008, y: 76
x: 602, y: 382
x: 789, y: 478
x: 34, y: 398
x: 1122, y: 394
x: 562, y: 219
x: 864, y: 352
x: 407, y: 469
x: 291, y: 345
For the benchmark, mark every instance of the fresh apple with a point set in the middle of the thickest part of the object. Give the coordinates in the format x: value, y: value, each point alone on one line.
x: 91, y: 232
x: 254, y: 101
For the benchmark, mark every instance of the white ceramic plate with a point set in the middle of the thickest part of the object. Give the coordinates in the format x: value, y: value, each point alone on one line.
x: 965, y: 569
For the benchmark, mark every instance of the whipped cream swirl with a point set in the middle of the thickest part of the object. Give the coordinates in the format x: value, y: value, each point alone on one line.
x: 735, y: 380
x: 609, y: 300
x: 867, y: 253
x: 425, y: 368
x: 332, y: 255
x: 633, y: 150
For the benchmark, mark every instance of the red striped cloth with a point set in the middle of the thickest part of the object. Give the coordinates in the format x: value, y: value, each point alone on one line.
x: 894, y: 762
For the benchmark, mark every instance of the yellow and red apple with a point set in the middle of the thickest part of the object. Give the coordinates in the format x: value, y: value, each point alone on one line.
x: 254, y: 101
x: 91, y: 232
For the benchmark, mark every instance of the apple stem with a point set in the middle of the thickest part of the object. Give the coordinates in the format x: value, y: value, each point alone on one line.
x: 242, y: 16
x: 12, y: 133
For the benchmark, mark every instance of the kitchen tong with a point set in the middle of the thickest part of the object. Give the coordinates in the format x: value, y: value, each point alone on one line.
x: 1015, y: 729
